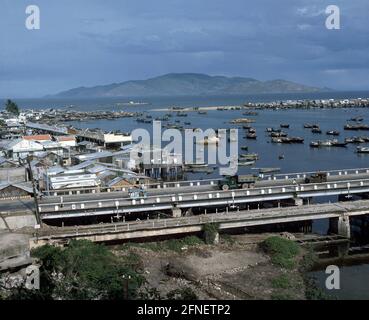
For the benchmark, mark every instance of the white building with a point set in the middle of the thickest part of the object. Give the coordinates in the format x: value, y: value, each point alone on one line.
x: 71, y: 179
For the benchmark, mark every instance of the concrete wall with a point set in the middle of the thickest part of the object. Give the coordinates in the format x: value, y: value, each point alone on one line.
x: 17, y: 221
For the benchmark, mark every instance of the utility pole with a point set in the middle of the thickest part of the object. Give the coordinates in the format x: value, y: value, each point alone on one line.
x: 35, y: 196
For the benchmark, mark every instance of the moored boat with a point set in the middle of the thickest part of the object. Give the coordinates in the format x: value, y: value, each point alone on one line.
x: 362, y: 150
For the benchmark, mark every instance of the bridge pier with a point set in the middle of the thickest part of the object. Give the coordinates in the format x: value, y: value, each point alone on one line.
x: 298, y: 201
x: 340, y: 226
x: 176, y: 212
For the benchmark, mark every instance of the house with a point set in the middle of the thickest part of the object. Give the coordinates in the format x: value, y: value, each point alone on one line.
x: 39, y: 137
x: 15, y: 190
x: 70, y: 179
x: 21, y: 148
x: 66, y: 141
x: 7, y: 163
x: 118, y: 183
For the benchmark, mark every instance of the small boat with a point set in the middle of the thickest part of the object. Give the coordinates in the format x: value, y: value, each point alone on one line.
x: 362, y: 150
x: 181, y: 114
x: 355, y: 140
x: 251, y: 136
x: 296, y: 140
x: 269, y: 170
x: 252, y: 130
x: 357, y: 119
x: 202, y: 112
x: 187, y: 123
x: 281, y: 157
x: 333, y: 133
x: 284, y: 125
x: 316, y: 130
x: 315, y: 144
x: 245, y: 148
x: 356, y: 127
x: 250, y: 113
x: 278, y: 134
x: 245, y: 163
x: 339, y: 144
x: 249, y: 156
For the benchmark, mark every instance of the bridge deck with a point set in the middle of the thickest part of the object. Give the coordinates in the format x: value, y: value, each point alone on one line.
x: 150, y: 228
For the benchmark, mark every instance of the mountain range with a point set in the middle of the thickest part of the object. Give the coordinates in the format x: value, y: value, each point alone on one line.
x: 189, y: 84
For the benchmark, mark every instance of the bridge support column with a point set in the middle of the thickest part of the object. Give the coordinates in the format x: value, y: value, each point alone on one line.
x: 340, y: 226
x: 176, y: 212
x: 298, y: 201
x: 188, y: 213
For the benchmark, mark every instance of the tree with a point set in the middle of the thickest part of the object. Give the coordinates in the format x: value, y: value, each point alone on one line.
x: 11, y: 107
x: 85, y: 271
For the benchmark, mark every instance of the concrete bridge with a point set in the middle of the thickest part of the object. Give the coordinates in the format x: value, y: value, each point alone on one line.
x: 338, y: 213
x: 182, y: 199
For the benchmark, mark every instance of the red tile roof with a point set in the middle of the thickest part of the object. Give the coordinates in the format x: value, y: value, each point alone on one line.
x: 39, y: 137
x: 65, y: 138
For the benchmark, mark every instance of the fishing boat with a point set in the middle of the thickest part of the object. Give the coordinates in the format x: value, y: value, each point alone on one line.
x: 314, y: 144
x: 249, y: 156
x: 356, y: 127
x: 357, y: 119
x: 250, y: 113
x: 355, y: 140
x: 288, y: 140
x: 339, y: 144
x: 268, y: 170
x: 333, y: 133
x: 245, y: 163
x: 251, y: 136
x: 362, y: 150
x: 278, y: 134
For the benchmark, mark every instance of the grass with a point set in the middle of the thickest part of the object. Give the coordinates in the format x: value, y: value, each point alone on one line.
x: 282, y: 282
x: 282, y: 251
x: 281, y: 296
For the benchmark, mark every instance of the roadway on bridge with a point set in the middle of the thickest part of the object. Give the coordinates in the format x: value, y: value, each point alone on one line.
x: 226, y: 220
x: 27, y: 205
x: 188, y: 189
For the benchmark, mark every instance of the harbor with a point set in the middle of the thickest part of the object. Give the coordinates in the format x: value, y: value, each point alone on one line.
x: 88, y: 187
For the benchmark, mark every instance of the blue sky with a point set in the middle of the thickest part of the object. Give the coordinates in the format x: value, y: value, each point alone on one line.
x: 91, y: 42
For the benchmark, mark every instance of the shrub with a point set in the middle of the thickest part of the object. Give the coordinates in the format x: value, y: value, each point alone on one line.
x: 185, y: 293
x: 282, y: 251
x: 281, y: 282
x: 87, y: 271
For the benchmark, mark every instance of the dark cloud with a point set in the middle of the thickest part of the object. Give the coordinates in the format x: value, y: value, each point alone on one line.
x: 91, y: 42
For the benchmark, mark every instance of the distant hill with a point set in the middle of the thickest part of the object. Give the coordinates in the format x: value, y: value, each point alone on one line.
x: 188, y: 84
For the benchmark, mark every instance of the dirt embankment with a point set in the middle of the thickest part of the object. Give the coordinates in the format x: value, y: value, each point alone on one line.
x: 234, y: 269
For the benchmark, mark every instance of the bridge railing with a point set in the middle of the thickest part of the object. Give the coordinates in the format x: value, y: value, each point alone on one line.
x: 209, y: 196
x: 218, y: 217
x: 302, y: 175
